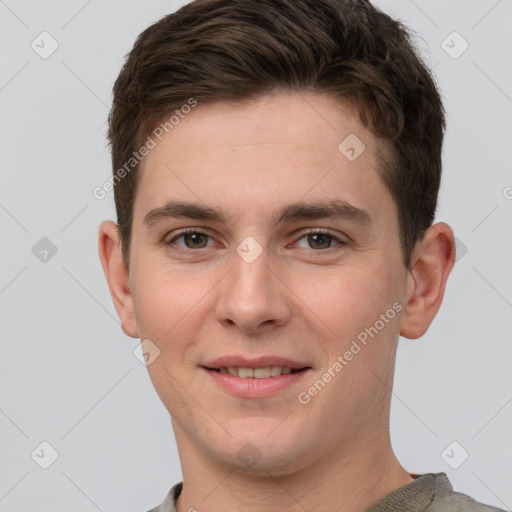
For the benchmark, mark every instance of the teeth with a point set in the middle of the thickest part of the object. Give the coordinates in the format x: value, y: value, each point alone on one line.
x: 275, y: 371
x: 245, y: 373
x: 262, y: 373
x: 256, y: 373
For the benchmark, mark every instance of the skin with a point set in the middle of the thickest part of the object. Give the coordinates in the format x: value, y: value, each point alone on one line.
x: 302, y: 298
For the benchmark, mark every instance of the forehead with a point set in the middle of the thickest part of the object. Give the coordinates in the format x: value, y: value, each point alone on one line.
x: 246, y: 158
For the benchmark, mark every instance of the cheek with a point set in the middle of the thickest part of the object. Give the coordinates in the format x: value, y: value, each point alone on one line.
x: 347, y: 299
x: 170, y: 312
x: 168, y: 303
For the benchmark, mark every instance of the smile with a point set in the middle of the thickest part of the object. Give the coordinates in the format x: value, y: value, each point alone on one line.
x: 256, y: 382
x: 257, y: 373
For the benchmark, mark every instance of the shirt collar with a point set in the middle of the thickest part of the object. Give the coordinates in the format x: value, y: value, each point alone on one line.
x: 415, y: 496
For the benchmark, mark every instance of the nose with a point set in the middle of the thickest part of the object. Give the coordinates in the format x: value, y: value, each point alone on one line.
x: 252, y: 296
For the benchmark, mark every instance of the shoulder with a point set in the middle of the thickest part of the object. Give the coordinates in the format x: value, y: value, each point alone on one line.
x: 169, y: 504
x: 447, y: 500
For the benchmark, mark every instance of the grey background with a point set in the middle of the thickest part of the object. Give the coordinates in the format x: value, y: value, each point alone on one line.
x: 68, y: 375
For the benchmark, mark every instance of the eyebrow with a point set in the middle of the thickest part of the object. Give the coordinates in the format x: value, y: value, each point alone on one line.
x: 334, y: 209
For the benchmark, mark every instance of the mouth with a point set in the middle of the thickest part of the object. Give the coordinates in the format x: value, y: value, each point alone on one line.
x: 257, y: 382
x: 259, y: 376
x: 264, y: 372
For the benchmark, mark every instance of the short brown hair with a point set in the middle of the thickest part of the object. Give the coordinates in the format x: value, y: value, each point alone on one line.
x: 242, y: 49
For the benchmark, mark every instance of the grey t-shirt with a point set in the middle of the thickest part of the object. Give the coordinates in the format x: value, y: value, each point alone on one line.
x: 431, y: 492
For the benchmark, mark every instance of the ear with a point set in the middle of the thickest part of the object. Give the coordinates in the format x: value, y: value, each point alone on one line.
x: 432, y: 261
x: 115, y: 270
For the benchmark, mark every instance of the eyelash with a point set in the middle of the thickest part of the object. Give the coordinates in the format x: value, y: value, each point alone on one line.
x: 305, y: 234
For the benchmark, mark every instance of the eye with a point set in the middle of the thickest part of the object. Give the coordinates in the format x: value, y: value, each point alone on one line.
x: 319, y: 240
x: 192, y: 239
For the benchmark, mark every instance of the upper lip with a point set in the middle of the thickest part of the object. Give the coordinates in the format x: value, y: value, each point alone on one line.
x: 255, y: 362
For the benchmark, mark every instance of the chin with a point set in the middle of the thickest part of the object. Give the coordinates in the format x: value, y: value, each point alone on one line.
x: 258, y: 453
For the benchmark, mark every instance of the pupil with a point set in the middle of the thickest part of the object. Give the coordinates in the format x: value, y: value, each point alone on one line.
x: 195, y: 238
x: 314, y: 238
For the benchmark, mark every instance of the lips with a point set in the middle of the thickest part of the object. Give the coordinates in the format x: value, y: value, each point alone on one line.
x: 257, y: 362
x: 265, y: 372
x: 249, y: 377
x: 255, y: 387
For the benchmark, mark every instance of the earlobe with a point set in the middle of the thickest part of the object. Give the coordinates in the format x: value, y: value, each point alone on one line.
x: 116, y: 274
x: 431, y: 264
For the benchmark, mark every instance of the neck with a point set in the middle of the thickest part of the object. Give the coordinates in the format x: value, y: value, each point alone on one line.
x: 350, y: 478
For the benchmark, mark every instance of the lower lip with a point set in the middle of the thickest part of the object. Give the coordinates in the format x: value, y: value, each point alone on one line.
x: 256, y: 388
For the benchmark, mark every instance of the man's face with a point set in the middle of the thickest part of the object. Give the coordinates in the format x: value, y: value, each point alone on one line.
x: 254, y: 285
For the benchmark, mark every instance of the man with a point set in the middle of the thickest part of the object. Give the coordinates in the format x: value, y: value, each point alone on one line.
x: 276, y: 171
